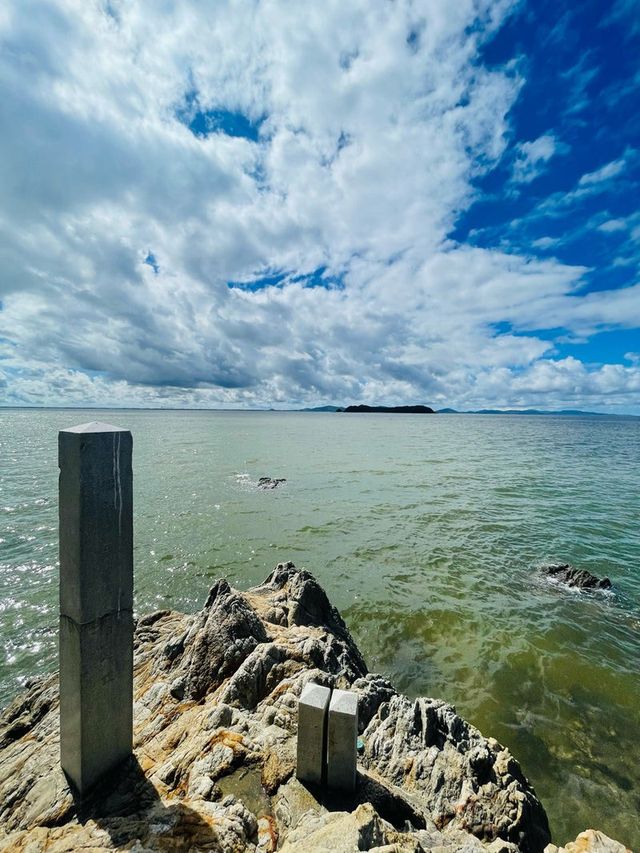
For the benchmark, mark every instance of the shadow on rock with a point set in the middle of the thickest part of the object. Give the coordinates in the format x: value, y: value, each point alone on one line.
x: 127, y: 806
x: 388, y: 803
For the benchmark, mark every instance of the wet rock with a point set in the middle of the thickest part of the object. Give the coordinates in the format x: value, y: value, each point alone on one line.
x: 270, y: 482
x: 576, y: 578
x: 215, y: 717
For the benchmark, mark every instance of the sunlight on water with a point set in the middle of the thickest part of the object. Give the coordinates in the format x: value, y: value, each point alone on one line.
x: 426, y: 532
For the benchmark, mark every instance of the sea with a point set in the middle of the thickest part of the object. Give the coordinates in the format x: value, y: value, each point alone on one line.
x: 428, y: 532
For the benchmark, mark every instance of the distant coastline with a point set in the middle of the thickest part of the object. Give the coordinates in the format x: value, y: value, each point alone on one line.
x: 330, y: 409
x: 427, y: 410
x: 574, y: 412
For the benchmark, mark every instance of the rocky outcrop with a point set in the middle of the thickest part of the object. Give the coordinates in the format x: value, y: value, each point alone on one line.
x: 575, y: 578
x: 215, y: 735
x: 270, y: 482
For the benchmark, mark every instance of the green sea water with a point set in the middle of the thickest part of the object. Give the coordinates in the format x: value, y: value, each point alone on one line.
x: 426, y: 532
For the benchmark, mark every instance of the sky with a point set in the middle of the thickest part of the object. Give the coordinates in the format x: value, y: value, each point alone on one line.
x: 265, y: 203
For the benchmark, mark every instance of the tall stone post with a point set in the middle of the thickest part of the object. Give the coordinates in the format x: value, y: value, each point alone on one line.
x: 96, y: 600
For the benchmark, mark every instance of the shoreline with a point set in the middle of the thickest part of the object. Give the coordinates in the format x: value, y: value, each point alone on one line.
x: 215, y: 723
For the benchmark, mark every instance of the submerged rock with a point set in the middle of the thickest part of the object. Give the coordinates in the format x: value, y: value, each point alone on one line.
x: 215, y: 732
x: 576, y: 578
x: 270, y: 482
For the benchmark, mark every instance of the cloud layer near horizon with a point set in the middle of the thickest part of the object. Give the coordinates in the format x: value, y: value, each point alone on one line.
x: 152, y: 256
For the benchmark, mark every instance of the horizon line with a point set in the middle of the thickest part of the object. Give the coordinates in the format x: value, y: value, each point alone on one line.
x: 313, y: 410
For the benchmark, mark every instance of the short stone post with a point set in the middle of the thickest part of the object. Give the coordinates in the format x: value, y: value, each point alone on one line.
x: 312, y: 723
x: 342, y: 741
x: 96, y: 601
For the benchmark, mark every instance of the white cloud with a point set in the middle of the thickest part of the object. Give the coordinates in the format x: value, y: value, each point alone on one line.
x: 580, y: 77
x: 605, y: 173
x: 610, y: 226
x: 546, y: 242
x: 590, y: 184
x: 532, y: 157
x: 568, y: 380
x: 365, y: 158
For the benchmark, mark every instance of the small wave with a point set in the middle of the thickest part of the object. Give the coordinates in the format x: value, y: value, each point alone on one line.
x: 243, y: 481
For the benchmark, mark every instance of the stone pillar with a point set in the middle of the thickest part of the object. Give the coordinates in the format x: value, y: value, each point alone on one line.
x: 342, y: 741
x: 96, y: 601
x: 312, y: 724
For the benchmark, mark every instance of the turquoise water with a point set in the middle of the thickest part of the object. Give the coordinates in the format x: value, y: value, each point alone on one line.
x: 426, y: 532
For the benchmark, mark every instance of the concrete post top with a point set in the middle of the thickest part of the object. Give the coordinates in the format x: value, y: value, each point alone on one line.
x: 94, y: 426
x: 344, y: 702
x: 315, y: 695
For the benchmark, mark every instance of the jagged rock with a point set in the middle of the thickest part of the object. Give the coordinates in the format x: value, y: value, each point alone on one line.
x: 218, y: 640
x: 464, y: 780
x: 590, y: 841
x: 270, y: 482
x: 215, y: 716
x: 576, y: 578
x: 363, y: 828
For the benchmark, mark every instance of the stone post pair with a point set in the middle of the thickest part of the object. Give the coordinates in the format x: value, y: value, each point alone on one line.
x: 327, y: 737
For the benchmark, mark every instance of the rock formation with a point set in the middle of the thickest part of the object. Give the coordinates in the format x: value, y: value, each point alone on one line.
x: 270, y: 482
x: 214, y: 740
x: 576, y: 578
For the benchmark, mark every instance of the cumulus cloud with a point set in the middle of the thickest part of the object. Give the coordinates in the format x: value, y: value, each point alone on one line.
x: 560, y: 383
x: 159, y: 162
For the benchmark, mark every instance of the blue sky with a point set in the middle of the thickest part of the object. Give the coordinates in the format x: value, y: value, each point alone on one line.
x: 581, y: 98
x: 254, y: 204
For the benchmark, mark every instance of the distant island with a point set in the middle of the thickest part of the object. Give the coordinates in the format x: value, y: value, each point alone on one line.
x: 400, y: 410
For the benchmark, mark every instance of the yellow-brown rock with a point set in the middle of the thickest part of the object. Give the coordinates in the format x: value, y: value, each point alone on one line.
x: 590, y: 841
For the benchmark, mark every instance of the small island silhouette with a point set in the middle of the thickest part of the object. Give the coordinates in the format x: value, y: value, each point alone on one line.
x: 401, y: 410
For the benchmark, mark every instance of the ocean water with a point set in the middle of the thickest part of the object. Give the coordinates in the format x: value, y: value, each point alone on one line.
x: 426, y: 531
